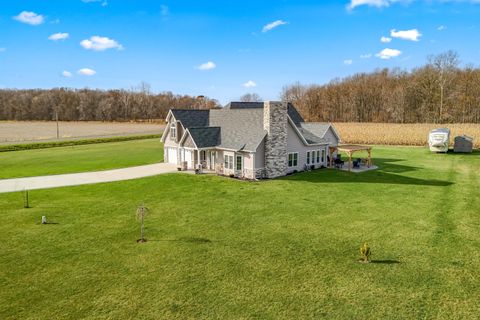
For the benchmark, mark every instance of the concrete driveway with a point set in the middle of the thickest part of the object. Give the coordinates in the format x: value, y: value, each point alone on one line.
x: 74, y: 179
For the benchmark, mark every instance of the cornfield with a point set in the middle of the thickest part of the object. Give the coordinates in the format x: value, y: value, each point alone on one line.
x: 401, y: 134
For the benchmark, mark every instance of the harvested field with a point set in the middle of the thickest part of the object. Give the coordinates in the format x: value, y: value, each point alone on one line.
x: 19, y: 131
x: 412, y: 134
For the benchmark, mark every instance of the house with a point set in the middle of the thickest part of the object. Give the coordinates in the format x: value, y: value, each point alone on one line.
x: 247, y: 140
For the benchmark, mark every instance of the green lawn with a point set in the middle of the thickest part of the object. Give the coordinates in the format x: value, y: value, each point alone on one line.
x: 80, y: 158
x: 225, y: 249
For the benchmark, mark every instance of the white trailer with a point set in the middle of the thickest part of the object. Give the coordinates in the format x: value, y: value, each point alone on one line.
x: 439, y: 140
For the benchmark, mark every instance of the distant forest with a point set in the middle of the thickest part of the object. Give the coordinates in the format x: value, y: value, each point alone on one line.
x: 439, y: 92
x: 94, y: 105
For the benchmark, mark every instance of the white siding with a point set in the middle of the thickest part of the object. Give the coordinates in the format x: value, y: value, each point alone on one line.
x: 295, y: 144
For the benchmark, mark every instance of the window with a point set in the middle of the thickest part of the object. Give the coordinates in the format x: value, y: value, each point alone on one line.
x: 318, y: 156
x: 308, y: 157
x: 173, y: 131
x: 238, y: 162
x: 323, y: 155
x: 228, y: 162
x: 292, y: 159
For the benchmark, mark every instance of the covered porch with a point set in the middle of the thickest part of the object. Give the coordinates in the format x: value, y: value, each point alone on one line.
x: 357, y: 165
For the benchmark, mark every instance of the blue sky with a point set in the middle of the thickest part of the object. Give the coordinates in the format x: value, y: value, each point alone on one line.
x: 224, y: 49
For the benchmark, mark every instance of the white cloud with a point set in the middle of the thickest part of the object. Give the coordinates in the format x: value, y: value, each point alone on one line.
x: 385, y: 39
x: 387, y: 53
x: 58, y: 36
x: 412, y: 35
x: 164, y: 10
x: 86, y: 72
x: 104, y: 3
x: 372, y: 3
x: 273, y: 25
x: 29, y: 17
x: 347, y: 62
x: 67, y: 74
x: 366, y: 56
x: 97, y: 43
x: 207, y: 66
x: 441, y: 28
x: 250, y: 84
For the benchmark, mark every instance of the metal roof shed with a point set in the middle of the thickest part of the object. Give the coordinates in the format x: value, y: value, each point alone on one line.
x: 463, y: 144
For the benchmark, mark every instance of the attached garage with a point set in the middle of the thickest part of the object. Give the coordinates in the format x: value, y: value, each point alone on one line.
x: 171, y: 155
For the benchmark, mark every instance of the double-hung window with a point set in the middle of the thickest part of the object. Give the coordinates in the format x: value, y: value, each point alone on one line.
x: 318, y: 156
x: 228, y: 162
x: 323, y: 155
x: 292, y: 159
x: 308, y: 157
x: 173, y: 131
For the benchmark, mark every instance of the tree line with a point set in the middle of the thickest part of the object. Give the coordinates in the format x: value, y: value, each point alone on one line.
x: 95, y: 105
x: 438, y: 92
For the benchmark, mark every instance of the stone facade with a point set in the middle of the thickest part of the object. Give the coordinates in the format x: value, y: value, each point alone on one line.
x: 275, y: 123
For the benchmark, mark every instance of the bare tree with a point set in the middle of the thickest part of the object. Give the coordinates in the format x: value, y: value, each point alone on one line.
x: 251, y: 97
x: 444, y: 65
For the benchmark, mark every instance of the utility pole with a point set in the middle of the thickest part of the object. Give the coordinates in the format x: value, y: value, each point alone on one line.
x: 56, y: 118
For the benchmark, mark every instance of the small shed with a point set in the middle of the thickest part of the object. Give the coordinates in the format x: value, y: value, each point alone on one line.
x: 463, y: 144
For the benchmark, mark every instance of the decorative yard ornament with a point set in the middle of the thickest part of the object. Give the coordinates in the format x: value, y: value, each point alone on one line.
x: 44, y: 219
x: 365, y: 253
x: 142, y: 211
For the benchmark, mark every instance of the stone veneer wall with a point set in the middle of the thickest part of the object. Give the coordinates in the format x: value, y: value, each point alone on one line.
x: 275, y: 123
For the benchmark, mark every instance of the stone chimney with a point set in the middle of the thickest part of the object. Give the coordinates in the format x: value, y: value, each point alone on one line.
x: 275, y: 123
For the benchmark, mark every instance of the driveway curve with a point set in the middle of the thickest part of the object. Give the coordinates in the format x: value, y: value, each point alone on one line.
x: 75, y: 179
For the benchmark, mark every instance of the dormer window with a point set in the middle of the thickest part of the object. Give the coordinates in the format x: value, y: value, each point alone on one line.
x: 173, y: 131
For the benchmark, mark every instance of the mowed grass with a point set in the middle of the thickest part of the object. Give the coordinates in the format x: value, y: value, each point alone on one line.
x: 80, y: 158
x: 220, y: 248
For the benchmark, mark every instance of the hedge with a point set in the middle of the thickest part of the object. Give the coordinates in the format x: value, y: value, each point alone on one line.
x: 67, y: 143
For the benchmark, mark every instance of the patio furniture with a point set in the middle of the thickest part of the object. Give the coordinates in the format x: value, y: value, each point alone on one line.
x: 356, y: 164
x: 339, y: 163
x: 349, y: 150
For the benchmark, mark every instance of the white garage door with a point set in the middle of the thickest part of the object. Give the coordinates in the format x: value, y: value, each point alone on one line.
x: 172, y: 155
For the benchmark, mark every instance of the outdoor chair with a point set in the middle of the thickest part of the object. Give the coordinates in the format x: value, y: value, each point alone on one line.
x: 356, y: 164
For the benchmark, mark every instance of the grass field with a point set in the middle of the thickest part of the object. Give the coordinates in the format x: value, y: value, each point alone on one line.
x: 219, y: 248
x: 413, y: 134
x: 80, y: 158
x: 18, y: 131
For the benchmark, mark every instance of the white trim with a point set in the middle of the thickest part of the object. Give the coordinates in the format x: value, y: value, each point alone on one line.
x: 167, y: 121
x: 184, y: 137
x: 301, y: 136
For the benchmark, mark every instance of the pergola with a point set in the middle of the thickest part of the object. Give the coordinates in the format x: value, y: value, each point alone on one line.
x: 350, y: 149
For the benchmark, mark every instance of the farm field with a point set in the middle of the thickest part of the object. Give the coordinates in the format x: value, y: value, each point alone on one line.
x: 19, y: 131
x: 415, y: 134
x: 220, y: 248
x: 81, y: 158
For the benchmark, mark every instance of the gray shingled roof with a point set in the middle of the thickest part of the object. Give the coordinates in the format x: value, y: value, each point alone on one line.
x: 310, y: 137
x: 292, y: 112
x: 317, y: 128
x: 241, y: 129
x: 205, y: 137
x: 238, y: 126
x: 191, y: 118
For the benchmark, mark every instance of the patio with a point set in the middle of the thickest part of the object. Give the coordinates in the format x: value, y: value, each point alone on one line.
x: 357, y: 165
